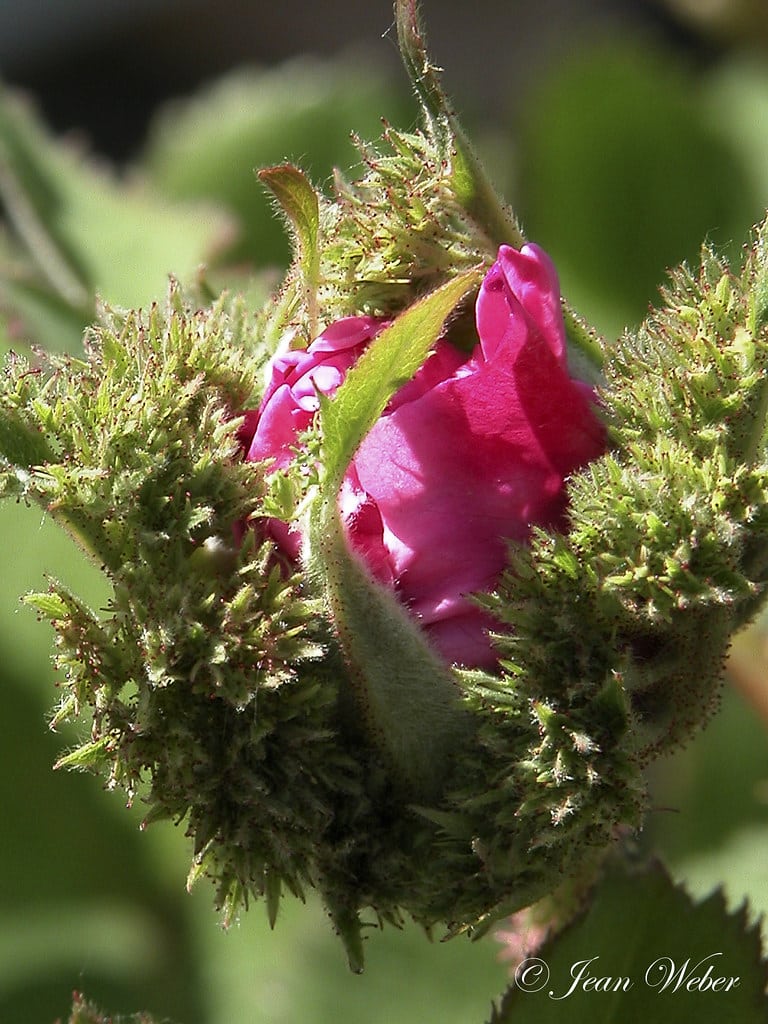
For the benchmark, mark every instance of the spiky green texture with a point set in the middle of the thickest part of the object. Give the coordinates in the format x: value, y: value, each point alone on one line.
x: 213, y: 684
x: 615, y: 632
x: 400, y: 229
x: 393, y: 234
x: 220, y: 682
x: 86, y: 1012
x: 202, y: 677
x: 420, y: 212
x: 224, y: 683
x: 665, y: 556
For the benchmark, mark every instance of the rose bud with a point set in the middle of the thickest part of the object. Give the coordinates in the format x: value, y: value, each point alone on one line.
x: 467, y: 457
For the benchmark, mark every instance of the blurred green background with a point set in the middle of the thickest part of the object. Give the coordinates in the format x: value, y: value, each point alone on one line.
x: 621, y: 148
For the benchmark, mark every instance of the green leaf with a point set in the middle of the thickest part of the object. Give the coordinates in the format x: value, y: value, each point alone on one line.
x: 644, y: 951
x: 408, y: 697
x: 89, y: 755
x: 391, y: 361
x: 50, y: 605
x: 585, y: 353
x: 300, y: 204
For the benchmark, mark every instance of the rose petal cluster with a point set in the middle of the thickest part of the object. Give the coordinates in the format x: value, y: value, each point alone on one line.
x: 468, y: 456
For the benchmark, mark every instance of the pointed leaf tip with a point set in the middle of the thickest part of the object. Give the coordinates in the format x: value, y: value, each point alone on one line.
x: 349, y: 928
x: 298, y: 200
x: 394, y: 357
x: 301, y: 206
x: 423, y: 75
x: 468, y: 178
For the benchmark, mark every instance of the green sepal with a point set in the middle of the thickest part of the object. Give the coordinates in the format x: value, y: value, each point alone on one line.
x: 349, y: 929
x: 408, y: 696
x: 273, y: 890
x: 410, y: 704
x: 585, y: 350
x: 390, y: 361
x: 88, y: 756
x: 468, y: 178
x: 299, y: 202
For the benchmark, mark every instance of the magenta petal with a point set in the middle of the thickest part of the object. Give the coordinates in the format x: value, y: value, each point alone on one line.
x: 492, y: 310
x: 441, y: 364
x: 449, y: 494
x: 470, y: 465
x: 520, y: 291
x: 531, y: 277
x: 364, y: 528
x: 247, y: 429
x: 286, y: 368
x: 287, y: 538
x: 464, y: 639
x: 560, y: 412
x: 280, y: 422
x: 466, y: 458
x: 347, y: 333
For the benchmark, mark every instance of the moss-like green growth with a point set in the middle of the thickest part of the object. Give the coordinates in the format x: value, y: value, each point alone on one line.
x: 203, y: 677
x: 293, y: 717
x: 666, y: 552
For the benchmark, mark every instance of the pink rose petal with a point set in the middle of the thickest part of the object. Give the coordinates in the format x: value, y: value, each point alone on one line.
x: 467, y: 457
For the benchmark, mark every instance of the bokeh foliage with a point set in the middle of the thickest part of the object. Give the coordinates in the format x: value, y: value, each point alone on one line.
x: 85, y: 897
